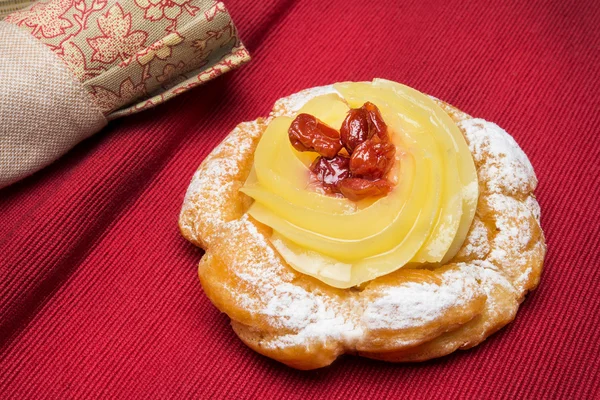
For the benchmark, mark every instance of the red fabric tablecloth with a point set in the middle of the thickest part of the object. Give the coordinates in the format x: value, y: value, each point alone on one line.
x: 98, y: 291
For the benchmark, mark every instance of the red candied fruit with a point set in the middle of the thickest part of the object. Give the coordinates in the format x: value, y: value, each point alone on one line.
x: 364, y: 135
x: 372, y: 160
x: 362, y: 124
x: 307, y: 133
x: 330, y: 172
x: 355, y: 129
x: 357, y: 189
x: 378, y: 128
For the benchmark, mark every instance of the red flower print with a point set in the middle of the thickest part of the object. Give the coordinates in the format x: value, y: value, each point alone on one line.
x: 45, y: 18
x: 86, y: 11
x: 214, y: 10
x: 117, y: 41
x: 200, y: 45
x: 169, y: 9
x: 109, y: 101
x: 169, y: 72
x: 75, y: 60
x: 161, y: 49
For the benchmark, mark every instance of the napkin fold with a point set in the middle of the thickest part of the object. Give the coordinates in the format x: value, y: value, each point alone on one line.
x: 70, y: 66
x: 10, y: 6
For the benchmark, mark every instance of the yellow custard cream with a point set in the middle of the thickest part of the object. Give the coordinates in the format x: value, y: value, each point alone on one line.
x: 424, y: 219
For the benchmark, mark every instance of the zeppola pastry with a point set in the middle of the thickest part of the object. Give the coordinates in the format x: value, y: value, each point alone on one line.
x: 365, y: 218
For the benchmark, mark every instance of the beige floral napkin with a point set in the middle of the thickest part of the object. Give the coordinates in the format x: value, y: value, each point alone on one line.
x: 124, y: 55
x: 10, y: 6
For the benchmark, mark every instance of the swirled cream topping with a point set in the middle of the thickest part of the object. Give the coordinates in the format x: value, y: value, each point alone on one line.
x: 424, y: 218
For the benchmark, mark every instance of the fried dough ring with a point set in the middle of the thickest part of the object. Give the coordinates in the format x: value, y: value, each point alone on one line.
x: 412, y: 314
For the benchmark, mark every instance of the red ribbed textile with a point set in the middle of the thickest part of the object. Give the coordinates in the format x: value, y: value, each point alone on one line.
x: 99, y: 296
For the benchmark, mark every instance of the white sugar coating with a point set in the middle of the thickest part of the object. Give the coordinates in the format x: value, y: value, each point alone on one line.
x: 286, y: 304
x: 292, y: 306
x: 512, y: 222
x: 215, y: 177
x: 275, y: 295
x: 534, y: 207
x: 413, y: 304
x: 476, y: 244
x: 261, y: 270
x: 503, y: 166
x: 307, y: 314
x: 511, y: 245
x: 469, y: 191
x: 221, y: 168
x: 491, y: 278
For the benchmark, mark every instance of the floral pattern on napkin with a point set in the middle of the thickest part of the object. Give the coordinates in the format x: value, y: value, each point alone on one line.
x: 134, y: 54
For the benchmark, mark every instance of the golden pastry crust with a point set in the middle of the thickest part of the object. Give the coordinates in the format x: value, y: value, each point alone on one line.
x: 412, y: 314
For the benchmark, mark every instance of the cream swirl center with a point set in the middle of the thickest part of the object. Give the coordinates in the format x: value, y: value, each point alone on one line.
x: 424, y: 219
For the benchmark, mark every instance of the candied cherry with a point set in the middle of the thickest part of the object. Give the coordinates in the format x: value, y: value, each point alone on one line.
x: 362, y: 124
x: 364, y: 135
x: 354, y: 129
x: 372, y: 160
x: 378, y: 127
x: 307, y: 133
x: 330, y: 172
x: 357, y: 189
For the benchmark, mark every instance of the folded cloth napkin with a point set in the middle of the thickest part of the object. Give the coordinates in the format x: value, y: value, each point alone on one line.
x: 68, y: 67
x: 10, y: 6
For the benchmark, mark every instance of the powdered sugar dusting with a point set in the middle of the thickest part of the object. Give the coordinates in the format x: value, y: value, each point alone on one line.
x: 491, y: 279
x: 212, y: 186
x: 476, y: 244
x: 501, y: 304
x: 286, y: 304
x: 511, y: 245
x: 413, y: 304
x: 257, y: 267
x: 533, y: 206
x: 217, y: 170
x: 512, y: 222
x: 308, y: 315
x: 501, y: 164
